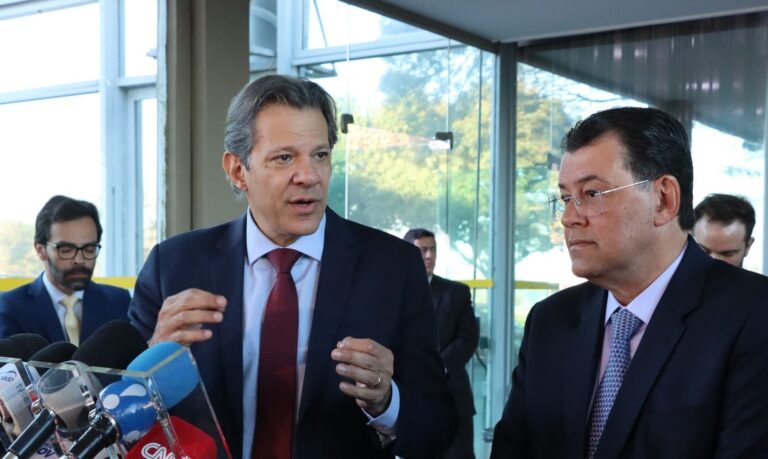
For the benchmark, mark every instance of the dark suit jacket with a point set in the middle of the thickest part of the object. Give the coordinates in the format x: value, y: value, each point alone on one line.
x: 458, y: 334
x: 29, y: 309
x: 697, y: 386
x: 371, y: 285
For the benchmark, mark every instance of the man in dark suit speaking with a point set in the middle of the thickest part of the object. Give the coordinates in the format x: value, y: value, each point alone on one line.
x: 663, y: 353
x: 457, y: 335
x: 315, y: 336
x: 63, y: 304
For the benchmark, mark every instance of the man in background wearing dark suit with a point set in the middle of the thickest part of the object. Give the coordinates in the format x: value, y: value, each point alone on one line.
x: 63, y: 303
x: 663, y: 353
x: 315, y: 336
x: 457, y: 333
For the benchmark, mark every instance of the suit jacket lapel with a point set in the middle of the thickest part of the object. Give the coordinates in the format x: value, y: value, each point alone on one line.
x: 437, y: 288
x: 580, y: 362
x: 667, y: 325
x: 227, y: 279
x: 337, y: 269
x: 44, y: 310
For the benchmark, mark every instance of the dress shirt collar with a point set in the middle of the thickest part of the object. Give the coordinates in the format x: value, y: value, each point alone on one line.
x: 645, y: 303
x: 258, y: 245
x: 56, y: 294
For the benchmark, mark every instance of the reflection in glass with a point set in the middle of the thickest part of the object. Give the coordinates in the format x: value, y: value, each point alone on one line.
x: 710, y: 74
x: 49, y: 147
x: 389, y: 172
x: 50, y: 43
x: 334, y: 23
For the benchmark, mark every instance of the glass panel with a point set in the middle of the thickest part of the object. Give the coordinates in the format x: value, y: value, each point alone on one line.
x: 740, y: 171
x: 58, y: 47
x: 140, y: 19
x: 390, y: 173
x: 147, y: 141
x: 50, y: 147
x: 333, y: 23
x: 709, y: 74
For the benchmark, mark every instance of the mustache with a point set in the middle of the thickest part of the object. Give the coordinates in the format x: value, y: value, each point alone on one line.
x: 78, y: 270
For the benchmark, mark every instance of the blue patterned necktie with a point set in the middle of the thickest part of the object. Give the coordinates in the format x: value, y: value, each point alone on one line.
x: 624, y: 325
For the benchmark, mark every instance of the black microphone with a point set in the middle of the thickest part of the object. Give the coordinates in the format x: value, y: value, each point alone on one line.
x: 28, y: 343
x: 113, y: 345
x: 9, y: 349
x: 22, y: 345
x: 54, y: 353
x: 64, y: 402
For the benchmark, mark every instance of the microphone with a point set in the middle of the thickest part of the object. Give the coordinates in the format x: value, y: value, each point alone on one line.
x: 16, y: 397
x: 128, y: 412
x: 56, y: 353
x: 193, y: 442
x: 52, y: 354
x: 21, y: 346
x: 28, y: 343
x: 65, y: 402
x: 113, y: 345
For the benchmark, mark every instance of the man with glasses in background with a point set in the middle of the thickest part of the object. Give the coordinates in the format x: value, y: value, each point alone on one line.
x: 663, y: 352
x: 63, y: 304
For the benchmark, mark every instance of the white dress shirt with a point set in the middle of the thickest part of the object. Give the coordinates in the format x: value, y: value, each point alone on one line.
x: 259, y: 277
x: 642, y: 307
x: 61, y: 311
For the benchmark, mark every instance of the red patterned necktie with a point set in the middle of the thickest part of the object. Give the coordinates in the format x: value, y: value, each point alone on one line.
x: 276, y: 392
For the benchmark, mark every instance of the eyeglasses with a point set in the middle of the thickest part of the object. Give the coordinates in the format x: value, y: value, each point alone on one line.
x: 590, y: 204
x: 69, y: 251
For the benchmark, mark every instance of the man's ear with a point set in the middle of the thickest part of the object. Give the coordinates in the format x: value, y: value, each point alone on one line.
x: 235, y: 170
x: 668, y: 199
x: 41, y: 253
x: 749, y: 244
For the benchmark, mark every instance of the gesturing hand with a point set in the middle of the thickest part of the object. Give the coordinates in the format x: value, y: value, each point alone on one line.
x: 370, y: 366
x: 182, y: 316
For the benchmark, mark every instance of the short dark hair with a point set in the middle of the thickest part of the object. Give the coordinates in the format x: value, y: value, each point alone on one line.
x: 60, y: 209
x: 727, y: 208
x: 417, y: 233
x: 656, y: 144
x: 241, y: 132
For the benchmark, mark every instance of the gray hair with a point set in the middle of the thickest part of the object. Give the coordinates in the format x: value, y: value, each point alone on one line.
x: 241, y: 131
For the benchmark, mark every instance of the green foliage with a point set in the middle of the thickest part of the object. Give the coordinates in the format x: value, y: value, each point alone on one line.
x: 393, y: 180
x: 541, y: 123
x: 17, y: 253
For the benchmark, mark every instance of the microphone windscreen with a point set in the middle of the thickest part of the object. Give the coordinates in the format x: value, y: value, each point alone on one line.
x: 9, y: 349
x: 129, y: 404
x: 113, y: 345
x: 57, y: 352
x: 176, y: 379
x: 28, y: 344
x: 54, y: 353
x: 195, y: 443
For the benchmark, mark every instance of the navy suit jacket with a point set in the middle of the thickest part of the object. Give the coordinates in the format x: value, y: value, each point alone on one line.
x: 458, y: 333
x: 697, y: 386
x: 29, y: 309
x: 371, y: 285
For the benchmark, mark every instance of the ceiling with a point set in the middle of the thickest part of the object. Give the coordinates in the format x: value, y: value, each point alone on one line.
x: 506, y: 21
x: 707, y: 73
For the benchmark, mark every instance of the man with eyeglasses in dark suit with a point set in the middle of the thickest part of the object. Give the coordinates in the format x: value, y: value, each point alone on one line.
x: 63, y: 304
x: 663, y: 352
